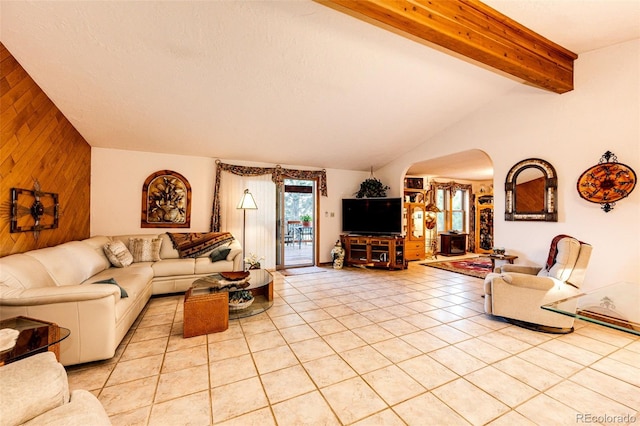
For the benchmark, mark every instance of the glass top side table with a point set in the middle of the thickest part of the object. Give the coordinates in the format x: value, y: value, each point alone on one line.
x: 35, y: 336
x: 614, y: 306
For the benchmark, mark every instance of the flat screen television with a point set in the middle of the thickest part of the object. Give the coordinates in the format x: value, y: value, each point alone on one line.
x: 372, y: 216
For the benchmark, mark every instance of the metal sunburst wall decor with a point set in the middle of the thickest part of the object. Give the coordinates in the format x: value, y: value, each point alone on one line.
x: 33, y: 210
x: 607, y: 182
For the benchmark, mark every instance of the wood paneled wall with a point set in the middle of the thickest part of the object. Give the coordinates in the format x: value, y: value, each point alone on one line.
x: 38, y: 142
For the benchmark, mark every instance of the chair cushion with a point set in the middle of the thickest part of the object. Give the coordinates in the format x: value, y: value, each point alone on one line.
x: 83, y: 409
x: 29, y: 397
x: 567, y: 251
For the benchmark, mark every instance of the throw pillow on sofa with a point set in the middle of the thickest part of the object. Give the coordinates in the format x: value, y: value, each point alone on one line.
x: 123, y: 292
x: 145, y: 249
x: 219, y: 253
x: 118, y: 254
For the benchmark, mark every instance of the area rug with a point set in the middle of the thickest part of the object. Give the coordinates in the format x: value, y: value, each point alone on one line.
x: 475, y: 267
x: 302, y: 271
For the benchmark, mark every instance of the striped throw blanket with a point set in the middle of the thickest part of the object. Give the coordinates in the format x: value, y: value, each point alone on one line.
x: 193, y: 244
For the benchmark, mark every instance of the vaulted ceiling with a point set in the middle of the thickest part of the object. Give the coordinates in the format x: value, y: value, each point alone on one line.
x: 287, y: 82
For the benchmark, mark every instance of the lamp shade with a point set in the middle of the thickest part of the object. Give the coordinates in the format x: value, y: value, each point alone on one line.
x: 247, y: 202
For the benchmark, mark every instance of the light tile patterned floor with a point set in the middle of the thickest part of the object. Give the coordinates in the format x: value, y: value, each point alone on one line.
x: 366, y: 347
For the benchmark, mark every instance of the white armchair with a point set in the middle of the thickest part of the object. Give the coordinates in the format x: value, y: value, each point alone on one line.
x: 517, y: 292
x: 35, y: 391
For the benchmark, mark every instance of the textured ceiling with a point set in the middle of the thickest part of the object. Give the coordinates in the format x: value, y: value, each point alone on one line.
x: 287, y: 82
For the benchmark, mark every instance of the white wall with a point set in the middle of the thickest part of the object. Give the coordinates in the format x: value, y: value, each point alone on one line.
x: 571, y: 131
x: 117, y: 177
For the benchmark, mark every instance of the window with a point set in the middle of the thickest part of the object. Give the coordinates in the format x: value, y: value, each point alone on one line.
x: 454, y: 209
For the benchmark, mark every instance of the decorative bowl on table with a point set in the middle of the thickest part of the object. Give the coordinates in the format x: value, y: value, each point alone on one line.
x: 235, y: 275
x: 499, y: 251
x: 240, y: 300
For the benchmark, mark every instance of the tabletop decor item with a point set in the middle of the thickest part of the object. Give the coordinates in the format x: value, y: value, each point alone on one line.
x: 240, y: 300
x: 8, y: 337
x: 220, y: 282
x: 607, y: 182
x: 235, y: 275
x: 253, y: 261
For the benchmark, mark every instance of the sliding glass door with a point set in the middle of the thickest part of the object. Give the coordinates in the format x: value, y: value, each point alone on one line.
x: 297, y: 224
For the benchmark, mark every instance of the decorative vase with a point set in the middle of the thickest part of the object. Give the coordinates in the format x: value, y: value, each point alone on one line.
x: 337, y: 253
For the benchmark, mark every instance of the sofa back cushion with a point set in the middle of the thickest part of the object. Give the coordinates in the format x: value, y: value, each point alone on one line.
x: 69, y: 263
x: 20, y: 271
x: 145, y: 249
x: 97, y: 244
x: 167, y: 251
x: 567, y: 251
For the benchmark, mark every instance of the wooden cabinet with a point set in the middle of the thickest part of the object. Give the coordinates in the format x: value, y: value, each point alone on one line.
x: 375, y: 251
x: 415, y: 231
x: 453, y: 244
x: 484, y: 224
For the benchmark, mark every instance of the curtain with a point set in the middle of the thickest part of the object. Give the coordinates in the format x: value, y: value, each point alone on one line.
x: 453, y: 187
x: 260, y: 228
x: 278, y: 174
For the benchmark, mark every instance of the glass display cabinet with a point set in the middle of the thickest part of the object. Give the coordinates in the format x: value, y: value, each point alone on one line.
x: 415, y: 224
x: 484, y: 224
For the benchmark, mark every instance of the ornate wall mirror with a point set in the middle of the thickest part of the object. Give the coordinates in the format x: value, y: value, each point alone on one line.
x: 531, y: 187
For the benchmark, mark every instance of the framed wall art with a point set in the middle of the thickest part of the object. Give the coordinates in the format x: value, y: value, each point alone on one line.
x: 166, y: 201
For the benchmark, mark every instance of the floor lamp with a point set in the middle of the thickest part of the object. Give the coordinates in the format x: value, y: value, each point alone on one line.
x: 246, y: 203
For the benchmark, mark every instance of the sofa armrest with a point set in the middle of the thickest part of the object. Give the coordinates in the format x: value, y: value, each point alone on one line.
x: 530, y: 281
x: 29, y: 375
x: 521, y: 269
x: 83, y: 409
x: 61, y: 294
x: 236, y: 255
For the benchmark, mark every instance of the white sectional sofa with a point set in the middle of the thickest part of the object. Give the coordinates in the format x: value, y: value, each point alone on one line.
x: 58, y: 284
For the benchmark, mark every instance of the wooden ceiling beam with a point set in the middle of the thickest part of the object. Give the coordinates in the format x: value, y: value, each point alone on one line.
x: 476, y: 31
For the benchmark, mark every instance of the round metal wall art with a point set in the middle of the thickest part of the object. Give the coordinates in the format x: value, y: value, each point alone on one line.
x: 607, y: 182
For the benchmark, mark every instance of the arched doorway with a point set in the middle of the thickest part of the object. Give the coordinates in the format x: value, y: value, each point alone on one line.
x: 460, y: 185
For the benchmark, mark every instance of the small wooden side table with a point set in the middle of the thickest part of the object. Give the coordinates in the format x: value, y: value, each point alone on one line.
x: 35, y: 336
x: 508, y: 257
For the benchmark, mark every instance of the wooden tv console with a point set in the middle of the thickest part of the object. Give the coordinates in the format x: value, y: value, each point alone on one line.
x: 374, y: 251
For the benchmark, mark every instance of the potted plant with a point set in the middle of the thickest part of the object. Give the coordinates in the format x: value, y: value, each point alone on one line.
x: 306, y: 220
x: 253, y: 261
x: 372, y: 187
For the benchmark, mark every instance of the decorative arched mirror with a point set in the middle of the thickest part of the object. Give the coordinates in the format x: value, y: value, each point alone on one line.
x: 531, y: 187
